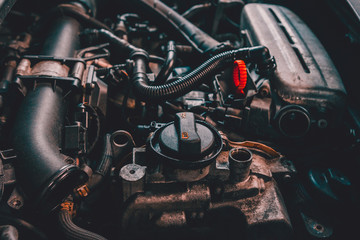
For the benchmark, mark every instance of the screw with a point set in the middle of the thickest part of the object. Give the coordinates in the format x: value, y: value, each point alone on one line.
x: 16, y: 202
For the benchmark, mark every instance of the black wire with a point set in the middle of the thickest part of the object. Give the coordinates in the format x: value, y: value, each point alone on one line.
x: 73, y: 231
x: 232, y: 22
x: 156, y: 59
x: 103, y: 47
x: 98, y: 126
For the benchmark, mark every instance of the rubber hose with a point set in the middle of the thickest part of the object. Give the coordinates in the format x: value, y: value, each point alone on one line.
x: 41, y: 170
x: 195, y: 10
x: 46, y: 175
x: 104, y: 167
x: 168, y: 65
x: 200, y: 40
x: 114, y: 40
x: 188, y: 82
x: 72, y: 231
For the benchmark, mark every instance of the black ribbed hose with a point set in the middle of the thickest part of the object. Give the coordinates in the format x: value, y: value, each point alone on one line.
x: 72, y: 231
x: 104, y: 166
x: 168, y: 65
x: 204, y: 72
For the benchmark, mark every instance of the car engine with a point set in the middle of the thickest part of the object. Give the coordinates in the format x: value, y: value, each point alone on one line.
x: 206, y: 119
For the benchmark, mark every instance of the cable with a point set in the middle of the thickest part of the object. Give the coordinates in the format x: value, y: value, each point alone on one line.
x: 68, y: 227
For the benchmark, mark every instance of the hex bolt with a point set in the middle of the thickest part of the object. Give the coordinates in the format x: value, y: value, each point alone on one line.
x: 239, y: 162
x: 15, y: 203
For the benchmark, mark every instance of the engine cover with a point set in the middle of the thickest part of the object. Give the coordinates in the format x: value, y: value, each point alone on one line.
x: 305, y: 76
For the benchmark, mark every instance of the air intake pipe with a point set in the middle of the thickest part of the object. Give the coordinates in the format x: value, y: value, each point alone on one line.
x: 45, y: 175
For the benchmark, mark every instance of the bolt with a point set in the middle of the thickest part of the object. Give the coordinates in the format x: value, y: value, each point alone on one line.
x: 319, y: 228
x: 16, y: 202
x: 264, y: 92
x: 322, y: 123
x: 287, y: 178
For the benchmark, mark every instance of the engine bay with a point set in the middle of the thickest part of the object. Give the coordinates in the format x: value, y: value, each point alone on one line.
x: 201, y: 119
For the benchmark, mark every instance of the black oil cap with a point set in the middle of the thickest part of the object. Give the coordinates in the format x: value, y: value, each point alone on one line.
x: 185, y: 143
x: 186, y: 138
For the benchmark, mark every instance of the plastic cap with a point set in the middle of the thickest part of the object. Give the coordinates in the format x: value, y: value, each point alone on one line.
x: 239, y: 76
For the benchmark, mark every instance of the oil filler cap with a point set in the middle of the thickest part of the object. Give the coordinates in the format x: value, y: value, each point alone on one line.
x: 186, y: 142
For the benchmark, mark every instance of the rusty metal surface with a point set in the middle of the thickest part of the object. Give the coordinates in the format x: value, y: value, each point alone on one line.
x: 256, y: 198
x: 50, y: 68
x: 186, y: 175
x: 265, y: 214
x: 171, y: 219
x: 195, y: 197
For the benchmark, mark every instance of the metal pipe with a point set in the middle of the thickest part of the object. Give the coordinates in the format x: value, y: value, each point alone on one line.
x: 240, y: 160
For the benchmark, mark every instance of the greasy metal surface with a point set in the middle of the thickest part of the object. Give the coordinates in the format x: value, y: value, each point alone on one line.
x: 305, y: 77
x: 138, y: 193
x: 24, y: 67
x: 239, y: 162
x: 315, y: 228
x: 194, y: 198
x: 186, y: 175
x: 257, y: 197
x: 172, y: 219
x: 50, y: 68
x: 252, y: 186
x: 265, y: 214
